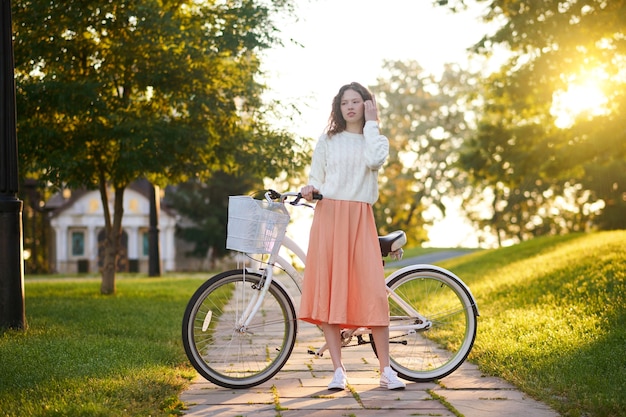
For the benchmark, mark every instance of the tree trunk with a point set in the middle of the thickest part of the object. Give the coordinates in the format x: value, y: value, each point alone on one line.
x: 107, y: 286
x: 113, y: 233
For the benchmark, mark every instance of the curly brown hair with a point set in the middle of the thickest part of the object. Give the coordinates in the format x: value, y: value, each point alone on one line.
x: 336, y: 122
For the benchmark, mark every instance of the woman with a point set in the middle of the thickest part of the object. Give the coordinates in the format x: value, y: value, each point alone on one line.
x: 344, y: 283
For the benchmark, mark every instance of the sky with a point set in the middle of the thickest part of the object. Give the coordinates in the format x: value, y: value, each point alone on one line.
x: 347, y: 40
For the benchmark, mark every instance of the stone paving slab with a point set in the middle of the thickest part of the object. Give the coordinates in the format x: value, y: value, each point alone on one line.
x: 299, y: 390
x: 496, y: 404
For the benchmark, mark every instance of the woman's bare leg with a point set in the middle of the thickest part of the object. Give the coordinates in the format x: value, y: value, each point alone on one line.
x: 333, y: 341
x: 381, y: 338
x: 388, y: 379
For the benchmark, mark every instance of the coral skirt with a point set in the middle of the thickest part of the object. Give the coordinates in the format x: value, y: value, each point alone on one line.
x: 344, y: 280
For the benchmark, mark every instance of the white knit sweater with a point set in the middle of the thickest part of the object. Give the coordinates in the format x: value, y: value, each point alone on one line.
x: 345, y: 166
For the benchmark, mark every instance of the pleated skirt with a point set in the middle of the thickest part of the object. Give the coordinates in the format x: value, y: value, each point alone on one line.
x: 344, y: 280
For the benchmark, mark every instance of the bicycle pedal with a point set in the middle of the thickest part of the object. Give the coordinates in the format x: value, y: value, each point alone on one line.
x: 313, y: 352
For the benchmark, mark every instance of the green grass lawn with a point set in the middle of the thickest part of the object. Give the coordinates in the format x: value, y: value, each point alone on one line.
x: 553, y: 322
x: 553, y: 319
x: 90, y: 355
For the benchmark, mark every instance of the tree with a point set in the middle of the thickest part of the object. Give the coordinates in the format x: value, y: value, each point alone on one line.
x: 205, y: 205
x: 506, y: 159
x: 117, y: 90
x: 35, y: 228
x: 425, y: 119
x: 520, y: 152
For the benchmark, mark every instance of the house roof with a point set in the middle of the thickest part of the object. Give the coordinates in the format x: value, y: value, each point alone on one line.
x: 59, y: 202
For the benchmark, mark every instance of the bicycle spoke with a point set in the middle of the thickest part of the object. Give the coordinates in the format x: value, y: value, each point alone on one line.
x: 438, y: 346
x: 225, y: 352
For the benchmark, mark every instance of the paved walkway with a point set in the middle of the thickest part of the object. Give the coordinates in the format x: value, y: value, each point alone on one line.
x: 429, y: 258
x: 299, y: 390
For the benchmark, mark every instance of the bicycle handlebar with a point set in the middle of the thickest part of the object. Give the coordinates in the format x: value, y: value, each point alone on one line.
x: 275, y: 195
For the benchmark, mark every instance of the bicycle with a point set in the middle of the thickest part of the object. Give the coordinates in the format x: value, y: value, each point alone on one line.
x: 240, y: 326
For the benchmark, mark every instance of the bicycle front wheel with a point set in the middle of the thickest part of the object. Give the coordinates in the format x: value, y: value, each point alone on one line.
x: 448, y: 334
x: 220, y: 348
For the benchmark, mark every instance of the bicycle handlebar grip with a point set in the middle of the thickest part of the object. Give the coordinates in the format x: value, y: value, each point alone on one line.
x: 317, y: 196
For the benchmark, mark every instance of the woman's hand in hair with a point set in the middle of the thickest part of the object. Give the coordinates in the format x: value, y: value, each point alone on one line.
x: 370, y: 110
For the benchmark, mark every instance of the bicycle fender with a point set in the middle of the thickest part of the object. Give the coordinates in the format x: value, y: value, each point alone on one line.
x: 429, y: 267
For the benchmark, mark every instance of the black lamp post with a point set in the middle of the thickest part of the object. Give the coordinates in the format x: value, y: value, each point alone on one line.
x: 154, y: 252
x: 11, y: 241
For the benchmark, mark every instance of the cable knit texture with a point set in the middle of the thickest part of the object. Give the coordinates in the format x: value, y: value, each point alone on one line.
x: 345, y: 166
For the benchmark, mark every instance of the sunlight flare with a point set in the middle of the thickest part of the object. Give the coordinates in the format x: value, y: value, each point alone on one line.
x: 581, y: 97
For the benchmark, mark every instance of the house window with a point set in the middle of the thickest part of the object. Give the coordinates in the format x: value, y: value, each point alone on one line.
x: 145, y: 244
x: 78, y: 243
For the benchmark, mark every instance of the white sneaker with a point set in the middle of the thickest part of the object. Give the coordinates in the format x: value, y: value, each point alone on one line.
x: 389, y: 379
x: 339, y: 380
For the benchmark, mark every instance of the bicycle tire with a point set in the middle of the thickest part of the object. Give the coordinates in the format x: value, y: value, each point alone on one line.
x: 427, y: 355
x: 219, y: 350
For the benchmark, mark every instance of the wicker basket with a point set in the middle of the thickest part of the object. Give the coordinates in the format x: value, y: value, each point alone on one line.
x: 254, y: 226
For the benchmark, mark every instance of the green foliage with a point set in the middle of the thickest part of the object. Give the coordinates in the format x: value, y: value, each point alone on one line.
x: 553, y: 319
x: 36, y: 234
x: 89, y: 355
x: 604, y: 138
x: 424, y: 118
x: 112, y: 92
x: 542, y: 179
x: 124, y: 90
x: 205, y: 206
x: 508, y: 156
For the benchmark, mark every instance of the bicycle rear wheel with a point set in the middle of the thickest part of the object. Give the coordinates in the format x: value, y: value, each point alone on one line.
x: 224, y: 352
x: 438, y: 350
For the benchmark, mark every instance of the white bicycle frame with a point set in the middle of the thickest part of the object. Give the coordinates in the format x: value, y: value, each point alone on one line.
x: 275, y: 259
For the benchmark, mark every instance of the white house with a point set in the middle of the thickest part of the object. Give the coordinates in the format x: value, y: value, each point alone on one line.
x: 77, y: 224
